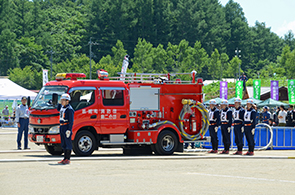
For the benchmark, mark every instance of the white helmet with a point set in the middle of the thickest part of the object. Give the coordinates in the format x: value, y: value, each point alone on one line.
x: 224, y: 102
x: 250, y: 101
x: 213, y: 101
x: 238, y: 100
x: 65, y: 96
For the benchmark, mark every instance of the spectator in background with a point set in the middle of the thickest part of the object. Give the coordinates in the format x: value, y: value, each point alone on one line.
x: 282, y: 116
x: 275, y: 116
x: 257, y: 114
x: 290, y: 117
x: 5, y: 113
x: 244, y: 79
x: 271, y: 122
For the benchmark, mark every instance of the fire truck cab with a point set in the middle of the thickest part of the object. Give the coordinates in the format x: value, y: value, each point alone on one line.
x: 136, y: 113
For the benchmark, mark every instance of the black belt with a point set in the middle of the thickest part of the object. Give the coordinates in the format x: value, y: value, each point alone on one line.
x: 23, y: 117
x: 237, y: 123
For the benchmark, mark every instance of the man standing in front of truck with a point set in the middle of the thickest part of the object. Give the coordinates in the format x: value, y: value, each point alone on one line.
x: 66, y: 123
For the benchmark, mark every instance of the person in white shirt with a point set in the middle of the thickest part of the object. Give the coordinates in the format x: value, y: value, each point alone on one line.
x: 22, y: 118
x: 282, y: 116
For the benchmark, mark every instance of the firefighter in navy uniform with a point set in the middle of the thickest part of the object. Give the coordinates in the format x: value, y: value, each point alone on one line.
x: 249, y: 126
x: 226, y: 122
x: 214, y: 120
x: 265, y: 115
x: 66, y: 124
x: 238, y: 115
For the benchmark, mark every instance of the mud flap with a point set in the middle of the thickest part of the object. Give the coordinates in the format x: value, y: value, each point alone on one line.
x: 179, y: 147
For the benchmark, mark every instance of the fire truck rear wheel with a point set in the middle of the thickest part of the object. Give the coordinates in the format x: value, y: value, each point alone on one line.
x: 54, y: 149
x: 166, y: 144
x: 84, y: 143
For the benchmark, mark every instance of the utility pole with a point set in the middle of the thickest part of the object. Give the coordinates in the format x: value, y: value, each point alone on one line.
x: 90, y: 54
x: 51, y: 52
x: 237, y: 52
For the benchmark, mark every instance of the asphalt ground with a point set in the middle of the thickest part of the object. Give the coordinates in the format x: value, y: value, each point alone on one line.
x: 108, y: 171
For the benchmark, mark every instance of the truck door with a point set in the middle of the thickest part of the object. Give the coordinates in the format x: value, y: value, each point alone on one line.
x: 85, y: 104
x: 114, y: 110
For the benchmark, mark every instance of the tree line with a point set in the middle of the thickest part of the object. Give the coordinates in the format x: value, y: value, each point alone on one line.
x: 159, y: 36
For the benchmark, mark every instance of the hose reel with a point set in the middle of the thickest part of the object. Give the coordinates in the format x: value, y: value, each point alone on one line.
x: 188, y: 104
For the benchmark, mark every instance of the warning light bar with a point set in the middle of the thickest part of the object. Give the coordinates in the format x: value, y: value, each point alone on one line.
x: 102, y: 74
x: 72, y: 76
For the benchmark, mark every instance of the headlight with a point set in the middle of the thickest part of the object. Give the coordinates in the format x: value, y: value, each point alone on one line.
x: 31, y: 129
x: 54, y: 130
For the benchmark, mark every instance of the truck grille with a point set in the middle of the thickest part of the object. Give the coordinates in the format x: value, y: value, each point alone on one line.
x: 41, y: 130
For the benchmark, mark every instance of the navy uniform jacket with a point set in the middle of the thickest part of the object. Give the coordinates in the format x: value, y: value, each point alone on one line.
x: 214, y: 116
x: 250, y: 117
x: 66, y: 116
x: 265, y: 117
x: 226, y: 115
x: 238, y: 115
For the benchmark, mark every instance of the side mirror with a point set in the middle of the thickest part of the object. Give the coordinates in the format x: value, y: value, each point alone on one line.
x: 29, y: 101
x: 54, y: 99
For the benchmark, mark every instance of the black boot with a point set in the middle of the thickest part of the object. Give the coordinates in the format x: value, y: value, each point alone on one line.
x: 68, y: 154
x: 65, y: 154
x: 251, y: 148
x: 240, y: 148
x: 215, y: 146
x: 226, y: 147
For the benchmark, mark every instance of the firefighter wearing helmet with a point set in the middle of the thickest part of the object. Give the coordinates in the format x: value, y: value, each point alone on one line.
x: 249, y: 126
x: 66, y: 123
x: 226, y: 122
x: 214, y: 119
x: 238, y: 115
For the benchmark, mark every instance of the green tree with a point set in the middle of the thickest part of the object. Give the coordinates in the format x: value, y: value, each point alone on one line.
x: 8, y: 53
x: 215, y: 64
x: 28, y: 77
x: 31, y: 54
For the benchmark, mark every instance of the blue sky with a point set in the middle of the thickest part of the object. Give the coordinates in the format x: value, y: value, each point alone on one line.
x: 277, y: 14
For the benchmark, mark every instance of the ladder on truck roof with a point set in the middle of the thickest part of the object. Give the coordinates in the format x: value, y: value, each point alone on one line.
x: 153, y: 77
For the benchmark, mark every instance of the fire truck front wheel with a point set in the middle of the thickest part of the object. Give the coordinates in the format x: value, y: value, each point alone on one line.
x: 166, y: 144
x: 54, y: 149
x: 84, y: 143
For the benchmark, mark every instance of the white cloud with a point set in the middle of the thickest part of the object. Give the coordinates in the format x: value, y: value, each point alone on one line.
x: 284, y: 28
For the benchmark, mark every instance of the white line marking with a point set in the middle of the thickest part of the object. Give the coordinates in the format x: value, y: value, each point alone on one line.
x: 241, y: 177
x: 21, y: 151
x: 7, y: 133
x: 152, y: 157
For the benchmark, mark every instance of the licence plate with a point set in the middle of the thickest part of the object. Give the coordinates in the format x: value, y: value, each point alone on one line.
x: 39, y: 138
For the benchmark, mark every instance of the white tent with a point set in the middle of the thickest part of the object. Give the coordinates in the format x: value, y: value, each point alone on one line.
x: 12, y: 91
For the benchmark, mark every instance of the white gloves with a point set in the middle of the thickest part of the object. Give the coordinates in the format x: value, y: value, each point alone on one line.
x: 228, y: 129
x: 242, y: 129
x: 68, y: 133
x: 253, y: 131
x: 216, y: 129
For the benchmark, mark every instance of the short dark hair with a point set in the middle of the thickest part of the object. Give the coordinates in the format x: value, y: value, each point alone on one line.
x: 291, y: 106
x: 282, y: 106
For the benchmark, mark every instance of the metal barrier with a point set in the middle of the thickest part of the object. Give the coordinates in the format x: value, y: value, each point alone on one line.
x: 283, y: 139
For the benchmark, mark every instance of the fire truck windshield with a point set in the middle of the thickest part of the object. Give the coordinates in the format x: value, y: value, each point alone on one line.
x: 44, y: 98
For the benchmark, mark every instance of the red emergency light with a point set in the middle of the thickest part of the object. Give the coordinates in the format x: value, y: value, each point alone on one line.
x: 72, y: 76
x: 102, y: 74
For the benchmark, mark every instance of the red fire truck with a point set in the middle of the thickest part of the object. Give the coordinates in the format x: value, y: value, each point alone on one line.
x: 141, y: 113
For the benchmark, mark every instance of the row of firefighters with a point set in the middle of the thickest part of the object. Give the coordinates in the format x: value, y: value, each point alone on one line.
x: 243, y: 121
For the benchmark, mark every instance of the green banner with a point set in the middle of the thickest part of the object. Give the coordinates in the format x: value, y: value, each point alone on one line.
x: 239, y: 89
x: 256, y: 89
x: 291, y: 91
